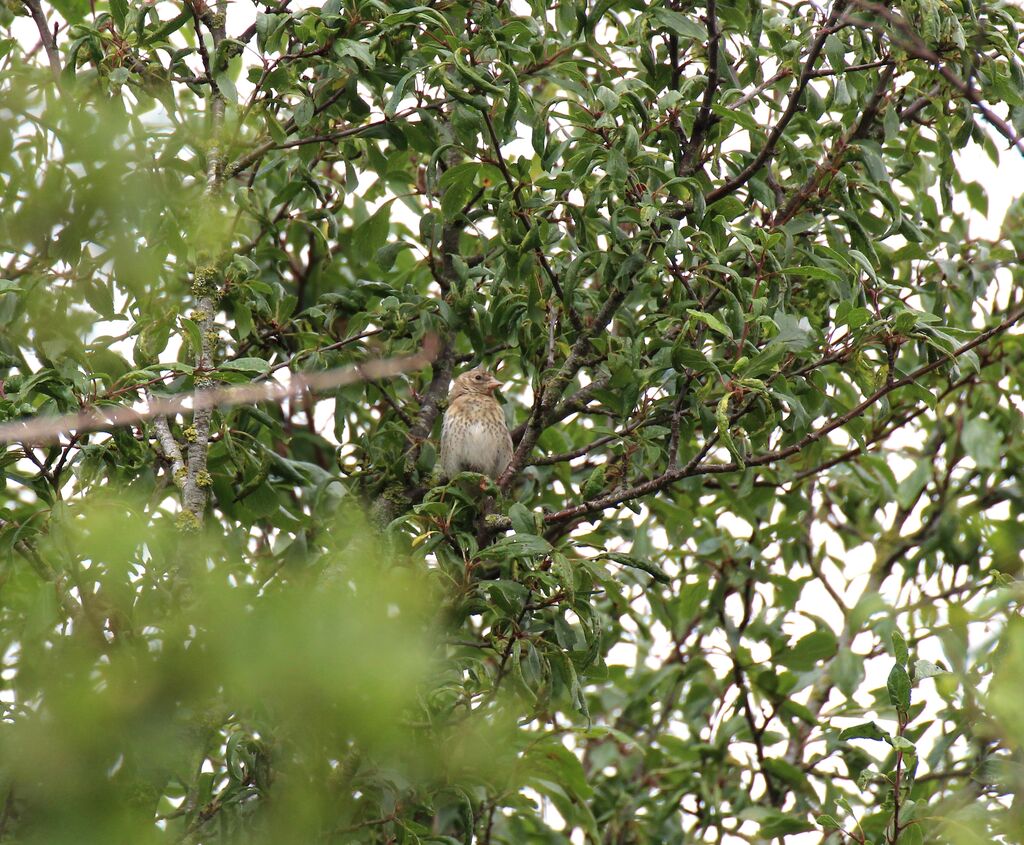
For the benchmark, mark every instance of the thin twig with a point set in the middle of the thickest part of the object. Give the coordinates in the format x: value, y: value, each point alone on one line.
x: 37, y: 430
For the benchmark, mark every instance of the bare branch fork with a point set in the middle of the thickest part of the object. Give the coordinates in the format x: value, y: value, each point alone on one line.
x: 38, y: 430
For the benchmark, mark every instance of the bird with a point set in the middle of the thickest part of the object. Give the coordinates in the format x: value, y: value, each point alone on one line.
x: 474, y: 435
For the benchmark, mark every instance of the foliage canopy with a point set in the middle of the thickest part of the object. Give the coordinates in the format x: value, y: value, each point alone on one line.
x: 752, y: 574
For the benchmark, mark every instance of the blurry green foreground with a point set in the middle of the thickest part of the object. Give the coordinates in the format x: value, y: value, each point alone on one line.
x: 183, y: 689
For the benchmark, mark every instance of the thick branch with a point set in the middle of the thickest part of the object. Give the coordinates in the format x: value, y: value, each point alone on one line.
x: 195, y: 491
x: 430, y: 402
x: 170, y: 447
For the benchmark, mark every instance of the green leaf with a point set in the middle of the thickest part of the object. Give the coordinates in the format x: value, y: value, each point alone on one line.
x: 678, y: 23
x: 226, y: 86
x: 834, y: 50
x: 118, y: 9
x: 764, y: 361
x: 685, y: 357
x: 509, y: 595
x: 303, y: 112
x: 637, y: 563
x: 370, y: 235
x: 347, y: 48
x: 169, y: 27
x: 910, y: 488
x: 809, y: 650
x: 398, y: 93
x: 827, y: 822
x: 874, y: 165
x: 898, y: 687
x: 417, y: 13
x: 711, y: 321
x: 912, y: 834
x: 458, y: 184
x: 899, y: 648
x: 247, y: 365
x: 795, y: 333
x: 72, y: 10
x: 983, y: 442
x: 561, y: 766
x: 847, y: 670
x: 387, y: 254
x: 927, y: 669
x: 522, y: 519
x: 774, y: 823
x: 787, y: 773
x: 517, y: 545
x: 866, y: 730
x: 812, y: 273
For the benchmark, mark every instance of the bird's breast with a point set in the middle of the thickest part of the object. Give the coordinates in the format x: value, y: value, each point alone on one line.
x: 479, y: 436
x: 474, y: 433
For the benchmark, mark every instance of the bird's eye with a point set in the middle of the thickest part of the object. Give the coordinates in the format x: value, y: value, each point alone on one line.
x: 478, y: 377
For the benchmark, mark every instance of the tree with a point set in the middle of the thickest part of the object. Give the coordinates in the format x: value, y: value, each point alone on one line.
x: 752, y: 574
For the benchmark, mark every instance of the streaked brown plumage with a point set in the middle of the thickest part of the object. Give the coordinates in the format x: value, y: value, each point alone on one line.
x: 474, y: 436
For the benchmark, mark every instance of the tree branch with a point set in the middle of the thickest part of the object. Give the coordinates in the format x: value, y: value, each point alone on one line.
x: 195, y: 490
x: 691, y: 158
x: 49, y: 43
x: 741, y: 178
x: 170, y: 447
x: 694, y: 467
x: 574, y: 404
x: 38, y: 430
x: 909, y: 40
x: 835, y: 158
x: 262, y: 148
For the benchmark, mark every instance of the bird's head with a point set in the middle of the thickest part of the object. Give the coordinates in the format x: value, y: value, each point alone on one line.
x: 478, y: 381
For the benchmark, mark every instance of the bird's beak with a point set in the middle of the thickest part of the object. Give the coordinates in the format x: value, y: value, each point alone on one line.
x: 494, y: 383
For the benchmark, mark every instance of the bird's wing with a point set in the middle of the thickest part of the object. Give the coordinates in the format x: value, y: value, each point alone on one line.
x: 445, y: 456
x: 504, y: 453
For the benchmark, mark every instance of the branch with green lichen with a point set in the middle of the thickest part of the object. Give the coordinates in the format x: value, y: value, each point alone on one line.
x: 206, y: 290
